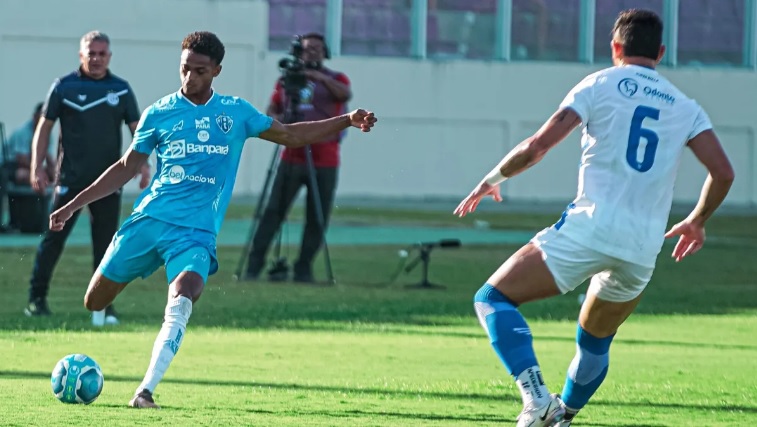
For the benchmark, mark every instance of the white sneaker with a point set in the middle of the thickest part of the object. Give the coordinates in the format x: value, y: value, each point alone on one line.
x: 100, y: 318
x: 563, y: 423
x: 546, y: 416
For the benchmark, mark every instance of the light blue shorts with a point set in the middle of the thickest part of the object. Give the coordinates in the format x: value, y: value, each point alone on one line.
x: 144, y: 244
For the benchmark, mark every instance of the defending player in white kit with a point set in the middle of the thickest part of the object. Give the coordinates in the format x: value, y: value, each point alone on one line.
x: 636, y: 125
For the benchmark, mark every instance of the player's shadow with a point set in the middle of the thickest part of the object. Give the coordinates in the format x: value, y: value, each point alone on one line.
x: 378, y: 391
x: 429, y: 417
x: 386, y: 414
x: 353, y: 413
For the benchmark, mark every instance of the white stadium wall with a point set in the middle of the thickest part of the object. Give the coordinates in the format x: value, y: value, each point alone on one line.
x: 442, y: 124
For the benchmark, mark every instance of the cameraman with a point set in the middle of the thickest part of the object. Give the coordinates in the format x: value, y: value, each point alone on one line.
x: 323, y: 97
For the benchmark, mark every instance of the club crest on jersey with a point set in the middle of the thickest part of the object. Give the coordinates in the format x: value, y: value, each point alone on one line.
x: 112, y: 99
x: 224, y: 122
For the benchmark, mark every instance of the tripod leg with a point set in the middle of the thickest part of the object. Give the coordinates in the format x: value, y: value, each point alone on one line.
x: 319, y: 212
x: 286, y: 185
x: 425, y: 257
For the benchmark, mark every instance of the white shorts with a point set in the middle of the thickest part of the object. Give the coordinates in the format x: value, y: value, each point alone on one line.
x: 571, y: 263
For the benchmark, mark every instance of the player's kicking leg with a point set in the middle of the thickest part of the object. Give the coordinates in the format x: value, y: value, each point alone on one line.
x: 522, y: 278
x: 190, y: 271
x: 131, y: 254
x: 612, y: 297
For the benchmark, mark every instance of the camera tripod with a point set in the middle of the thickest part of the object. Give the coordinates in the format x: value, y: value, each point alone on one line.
x: 424, y: 256
x: 292, y: 87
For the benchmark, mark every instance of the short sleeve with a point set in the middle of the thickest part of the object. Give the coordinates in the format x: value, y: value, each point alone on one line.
x: 146, y: 136
x: 580, y: 98
x: 701, y: 123
x: 255, y: 122
x: 53, y: 102
x: 131, y: 113
x: 342, y: 78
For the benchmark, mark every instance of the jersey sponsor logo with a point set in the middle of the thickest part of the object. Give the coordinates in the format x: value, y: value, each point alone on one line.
x: 177, y: 174
x: 178, y: 126
x: 181, y: 148
x: 176, y: 149
x: 111, y: 98
x: 203, y: 136
x: 234, y: 100
x: 165, y: 104
x: 203, y: 123
x: 628, y: 87
x: 208, y: 149
x: 659, y: 95
x: 224, y: 122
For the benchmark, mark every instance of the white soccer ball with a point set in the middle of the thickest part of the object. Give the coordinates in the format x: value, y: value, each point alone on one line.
x: 77, y: 378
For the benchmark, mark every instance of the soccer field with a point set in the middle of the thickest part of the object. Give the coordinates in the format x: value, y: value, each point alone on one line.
x: 364, y: 354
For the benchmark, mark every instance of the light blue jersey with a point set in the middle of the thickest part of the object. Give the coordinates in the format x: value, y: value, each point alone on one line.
x: 198, y: 149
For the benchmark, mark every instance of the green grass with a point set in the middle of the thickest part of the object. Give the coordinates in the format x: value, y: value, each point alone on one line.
x: 367, y: 353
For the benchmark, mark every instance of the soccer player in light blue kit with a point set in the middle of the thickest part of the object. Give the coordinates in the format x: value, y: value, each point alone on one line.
x: 198, y: 136
x: 636, y: 126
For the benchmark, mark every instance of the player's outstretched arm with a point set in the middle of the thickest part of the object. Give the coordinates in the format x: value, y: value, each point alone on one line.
x: 109, y: 182
x: 306, y: 133
x: 707, y: 149
x: 533, y: 149
x: 526, y: 154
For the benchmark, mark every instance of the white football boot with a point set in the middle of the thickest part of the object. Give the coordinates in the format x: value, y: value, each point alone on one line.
x: 546, y: 416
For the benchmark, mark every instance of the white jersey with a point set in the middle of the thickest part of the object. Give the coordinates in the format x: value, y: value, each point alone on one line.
x: 635, y: 127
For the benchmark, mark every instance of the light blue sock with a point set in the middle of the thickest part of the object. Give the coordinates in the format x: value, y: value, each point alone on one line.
x: 587, y: 370
x: 511, y: 339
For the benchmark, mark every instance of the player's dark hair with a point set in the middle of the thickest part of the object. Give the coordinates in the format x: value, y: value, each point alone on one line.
x: 639, y: 31
x: 205, y: 43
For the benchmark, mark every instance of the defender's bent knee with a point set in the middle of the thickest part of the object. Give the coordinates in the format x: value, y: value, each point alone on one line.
x: 525, y: 277
x: 602, y: 318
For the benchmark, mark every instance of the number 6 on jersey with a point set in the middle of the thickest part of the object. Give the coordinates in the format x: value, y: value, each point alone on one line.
x: 634, y: 138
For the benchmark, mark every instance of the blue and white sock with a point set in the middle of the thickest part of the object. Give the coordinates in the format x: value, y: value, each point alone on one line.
x: 511, y: 339
x: 168, y: 341
x: 587, y: 370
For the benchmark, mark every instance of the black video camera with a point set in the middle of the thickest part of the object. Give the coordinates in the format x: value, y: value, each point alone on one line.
x: 293, y: 69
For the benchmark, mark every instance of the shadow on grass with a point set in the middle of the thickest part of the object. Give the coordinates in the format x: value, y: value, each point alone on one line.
x: 398, y: 393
